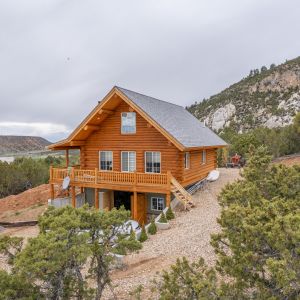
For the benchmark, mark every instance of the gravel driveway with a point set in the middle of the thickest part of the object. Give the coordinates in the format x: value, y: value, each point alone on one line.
x: 188, y: 236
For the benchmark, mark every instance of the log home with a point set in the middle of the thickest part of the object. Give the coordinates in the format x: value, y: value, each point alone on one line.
x: 139, y: 152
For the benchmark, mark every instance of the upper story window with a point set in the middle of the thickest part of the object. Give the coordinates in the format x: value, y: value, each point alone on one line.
x: 186, y: 160
x: 106, y: 160
x: 128, y: 161
x: 152, y: 162
x: 203, y: 156
x: 128, y: 122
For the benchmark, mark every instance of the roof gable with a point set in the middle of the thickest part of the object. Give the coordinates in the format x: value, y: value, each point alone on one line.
x: 173, y: 121
x: 176, y: 120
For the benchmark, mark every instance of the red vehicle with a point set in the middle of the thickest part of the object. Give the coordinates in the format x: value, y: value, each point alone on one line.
x: 236, y: 161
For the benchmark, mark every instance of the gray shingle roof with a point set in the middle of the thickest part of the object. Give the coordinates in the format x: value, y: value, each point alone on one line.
x: 176, y: 120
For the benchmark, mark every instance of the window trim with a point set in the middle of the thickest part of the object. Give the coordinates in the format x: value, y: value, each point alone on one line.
x: 126, y: 133
x: 128, y: 161
x: 152, y: 157
x: 112, y: 160
x: 203, y: 161
x: 163, y: 201
x: 187, y: 163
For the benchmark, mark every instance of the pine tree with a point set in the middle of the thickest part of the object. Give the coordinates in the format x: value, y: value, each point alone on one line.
x: 152, y: 229
x: 143, y: 236
x: 169, y: 214
x: 258, y: 246
x: 163, y: 218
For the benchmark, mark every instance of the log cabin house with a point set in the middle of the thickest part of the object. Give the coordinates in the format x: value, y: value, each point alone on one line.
x: 137, y: 151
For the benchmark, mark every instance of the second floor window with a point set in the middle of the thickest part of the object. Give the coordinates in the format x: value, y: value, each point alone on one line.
x: 152, y: 162
x: 106, y: 160
x: 186, y: 160
x: 128, y: 122
x: 128, y: 161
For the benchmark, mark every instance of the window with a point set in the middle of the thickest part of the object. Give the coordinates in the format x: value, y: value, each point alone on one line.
x: 128, y: 122
x: 128, y: 161
x: 186, y: 160
x: 106, y: 160
x: 152, y: 162
x: 203, y: 157
x: 157, y: 203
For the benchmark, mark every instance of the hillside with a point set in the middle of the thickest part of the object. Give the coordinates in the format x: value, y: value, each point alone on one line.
x: 15, y: 144
x: 267, y: 97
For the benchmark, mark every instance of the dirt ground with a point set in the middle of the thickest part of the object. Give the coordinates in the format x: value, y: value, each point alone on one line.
x: 288, y: 160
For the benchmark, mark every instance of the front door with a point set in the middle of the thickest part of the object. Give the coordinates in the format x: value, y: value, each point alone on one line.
x: 141, y: 210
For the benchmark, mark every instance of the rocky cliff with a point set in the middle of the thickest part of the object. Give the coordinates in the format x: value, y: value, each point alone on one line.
x: 267, y: 97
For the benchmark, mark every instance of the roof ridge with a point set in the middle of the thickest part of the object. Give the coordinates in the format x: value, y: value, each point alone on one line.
x: 118, y: 87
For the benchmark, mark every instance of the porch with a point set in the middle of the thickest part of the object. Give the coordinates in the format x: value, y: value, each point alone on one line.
x: 123, y: 181
x: 133, y: 182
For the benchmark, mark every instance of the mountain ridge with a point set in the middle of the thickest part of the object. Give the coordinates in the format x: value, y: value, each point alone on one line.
x: 13, y: 144
x: 266, y: 97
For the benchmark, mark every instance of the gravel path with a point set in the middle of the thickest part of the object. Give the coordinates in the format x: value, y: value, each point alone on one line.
x: 188, y: 236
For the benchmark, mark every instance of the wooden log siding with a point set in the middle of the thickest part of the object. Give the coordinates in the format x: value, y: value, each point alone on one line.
x: 197, y: 170
x: 109, y: 138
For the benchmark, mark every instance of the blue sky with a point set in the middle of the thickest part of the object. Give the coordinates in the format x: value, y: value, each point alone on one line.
x: 59, y: 58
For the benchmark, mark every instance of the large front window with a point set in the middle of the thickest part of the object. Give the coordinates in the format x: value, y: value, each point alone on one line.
x: 128, y: 122
x: 128, y: 161
x: 106, y: 160
x: 152, y: 162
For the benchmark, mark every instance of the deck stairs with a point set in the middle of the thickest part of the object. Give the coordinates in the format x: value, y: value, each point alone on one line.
x: 181, y: 194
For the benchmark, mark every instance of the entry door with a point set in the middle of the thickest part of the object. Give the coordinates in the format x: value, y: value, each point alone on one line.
x: 141, y: 208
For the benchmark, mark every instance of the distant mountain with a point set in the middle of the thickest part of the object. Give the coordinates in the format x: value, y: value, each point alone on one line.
x: 10, y: 144
x: 266, y: 97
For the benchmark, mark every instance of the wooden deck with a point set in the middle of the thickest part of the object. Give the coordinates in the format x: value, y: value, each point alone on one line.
x: 124, y: 181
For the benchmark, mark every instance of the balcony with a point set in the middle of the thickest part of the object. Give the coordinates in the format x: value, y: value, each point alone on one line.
x: 140, y: 182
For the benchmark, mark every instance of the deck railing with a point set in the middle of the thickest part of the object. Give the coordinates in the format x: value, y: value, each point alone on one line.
x: 108, y: 177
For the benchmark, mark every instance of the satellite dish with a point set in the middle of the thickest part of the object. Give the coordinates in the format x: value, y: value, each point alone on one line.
x: 66, y: 183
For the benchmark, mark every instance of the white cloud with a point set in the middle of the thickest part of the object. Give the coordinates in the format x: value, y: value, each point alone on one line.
x: 47, y: 130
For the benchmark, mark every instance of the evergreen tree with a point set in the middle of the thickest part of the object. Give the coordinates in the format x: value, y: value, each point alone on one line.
x: 163, y: 218
x: 169, y: 214
x: 152, y: 229
x: 143, y: 236
x: 258, y: 246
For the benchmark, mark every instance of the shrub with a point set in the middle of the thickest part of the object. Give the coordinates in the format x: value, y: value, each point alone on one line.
x: 143, y: 236
x: 152, y: 227
x: 163, y: 218
x: 169, y: 214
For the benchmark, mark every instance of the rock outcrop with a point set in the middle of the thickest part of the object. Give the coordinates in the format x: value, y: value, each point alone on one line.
x: 268, y: 98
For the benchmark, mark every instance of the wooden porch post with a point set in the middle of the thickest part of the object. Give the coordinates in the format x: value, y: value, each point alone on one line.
x: 52, y: 191
x: 135, y: 205
x: 73, y: 196
x: 96, y: 198
x: 67, y: 158
x: 168, y: 199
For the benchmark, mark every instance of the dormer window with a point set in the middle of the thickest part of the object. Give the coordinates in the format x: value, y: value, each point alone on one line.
x: 128, y: 122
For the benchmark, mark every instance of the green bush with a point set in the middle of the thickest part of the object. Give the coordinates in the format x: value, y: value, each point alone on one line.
x: 152, y: 227
x: 143, y: 236
x: 163, y: 218
x: 169, y: 214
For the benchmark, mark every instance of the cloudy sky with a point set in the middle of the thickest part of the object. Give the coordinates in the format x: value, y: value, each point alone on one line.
x: 59, y: 57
